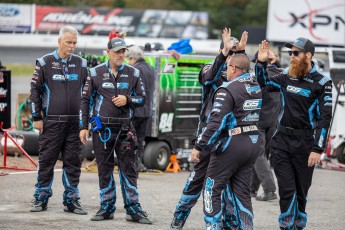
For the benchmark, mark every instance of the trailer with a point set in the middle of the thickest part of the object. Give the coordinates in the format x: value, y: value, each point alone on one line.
x: 176, y: 108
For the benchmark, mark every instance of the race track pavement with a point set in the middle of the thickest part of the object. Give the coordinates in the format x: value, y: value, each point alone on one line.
x: 158, y: 195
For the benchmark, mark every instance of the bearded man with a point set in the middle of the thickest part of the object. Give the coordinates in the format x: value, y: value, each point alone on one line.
x: 301, y: 134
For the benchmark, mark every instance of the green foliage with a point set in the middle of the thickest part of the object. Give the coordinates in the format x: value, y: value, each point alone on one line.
x: 20, y: 70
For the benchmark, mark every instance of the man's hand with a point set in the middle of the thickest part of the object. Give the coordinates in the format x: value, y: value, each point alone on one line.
x: 195, y: 156
x: 263, y: 53
x: 226, y: 41
x: 314, y: 158
x: 39, y: 125
x: 120, y: 100
x: 271, y: 57
x: 243, y: 42
x: 84, y: 136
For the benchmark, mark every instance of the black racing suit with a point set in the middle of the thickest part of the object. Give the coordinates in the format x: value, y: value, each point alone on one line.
x: 235, y: 141
x: 211, y: 76
x: 262, y: 173
x: 56, y: 88
x: 303, y: 127
x: 116, y: 121
x: 142, y: 115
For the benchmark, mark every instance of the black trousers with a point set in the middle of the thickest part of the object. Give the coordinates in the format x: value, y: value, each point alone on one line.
x: 193, y: 187
x: 262, y: 173
x: 232, y: 167
x: 141, y: 125
x: 58, y: 137
x: 126, y: 170
x: 294, y: 178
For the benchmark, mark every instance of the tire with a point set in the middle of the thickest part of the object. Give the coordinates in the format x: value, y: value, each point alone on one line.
x: 30, y: 144
x: 340, y: 153
x: 157, y: 155
x: 87, y: 150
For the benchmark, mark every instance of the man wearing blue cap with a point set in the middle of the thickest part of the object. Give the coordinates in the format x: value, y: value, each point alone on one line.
x: 301, y: 134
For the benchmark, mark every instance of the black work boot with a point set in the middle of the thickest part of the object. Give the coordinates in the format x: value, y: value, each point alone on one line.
x: 267, y: 196
x: 102, y: 215
x: 74, y: 206
x: 139, y: 217
x: 177, y: 223
x: 38, y: 206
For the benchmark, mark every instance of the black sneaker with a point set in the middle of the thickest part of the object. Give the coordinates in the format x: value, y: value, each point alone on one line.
x: 177, y: 223
x: 266, y: 196
x: 139, y: 217
x: 74, y: 206
x: 38, y: 206
x: 102, y: 215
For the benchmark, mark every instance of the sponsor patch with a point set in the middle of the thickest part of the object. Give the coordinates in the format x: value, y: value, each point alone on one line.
x: 56, y: 65
x: 298, y: 91
x: 251, y: 117
x: 252, y: 104
x: 108, y: 85
x: 106, y: 76
x: 254, y: 138
x: 217, y: 104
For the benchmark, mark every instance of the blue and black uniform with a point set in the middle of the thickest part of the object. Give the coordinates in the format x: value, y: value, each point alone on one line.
x: 56, y: 89
x: 100, y: 87
x: 211, y: 77
x: 302, y: 129
x: 235, y: 142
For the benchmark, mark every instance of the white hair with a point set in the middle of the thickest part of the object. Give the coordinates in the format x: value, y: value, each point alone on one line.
x: 67, y: 29
x: 134, y: 52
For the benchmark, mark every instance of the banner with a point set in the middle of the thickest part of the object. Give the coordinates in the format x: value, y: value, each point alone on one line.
x: 138, y: 23
x: 321, y: 21
x: 15, y: 18
x: 87, y: 21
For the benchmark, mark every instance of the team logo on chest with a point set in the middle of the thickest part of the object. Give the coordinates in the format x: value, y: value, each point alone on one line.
x: 298, y: 91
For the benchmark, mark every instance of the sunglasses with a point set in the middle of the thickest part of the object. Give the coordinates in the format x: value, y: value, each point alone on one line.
x: 295, y: 53
x: 236, y: 67
x: 231, y: 52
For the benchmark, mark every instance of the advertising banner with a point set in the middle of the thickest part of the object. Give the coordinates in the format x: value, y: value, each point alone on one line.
x: 15, y: 18
x: 323, y: 22
x: 87, y: 21
x: 138, y: 23
x: 5, y: 98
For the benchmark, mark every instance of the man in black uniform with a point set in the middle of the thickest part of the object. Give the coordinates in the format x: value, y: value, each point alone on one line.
x: 236, y: 146
x: 143, y: 114
x: 262, y: 173
x: 303, y: 126
x: 211, y: 77
x: 55, y: 94
x: 113, y: 90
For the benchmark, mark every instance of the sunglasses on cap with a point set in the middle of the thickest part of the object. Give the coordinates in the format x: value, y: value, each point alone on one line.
x: 295, y: 53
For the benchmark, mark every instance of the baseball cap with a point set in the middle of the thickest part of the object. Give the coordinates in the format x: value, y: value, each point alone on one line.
x: 116, y: 44
x: 302, y: 43
x: 232, y: 39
